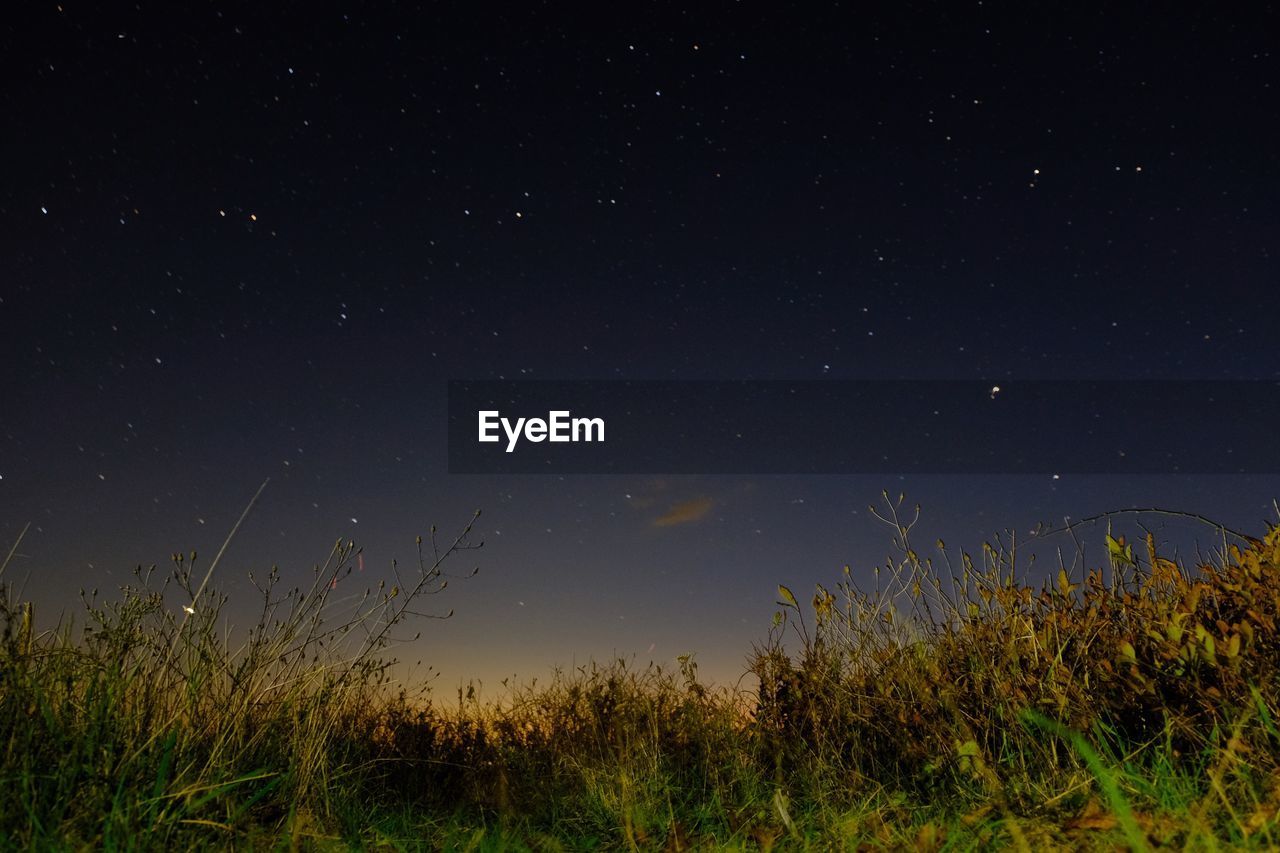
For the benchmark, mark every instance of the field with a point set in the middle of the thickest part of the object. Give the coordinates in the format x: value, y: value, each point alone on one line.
x: 949, y: 703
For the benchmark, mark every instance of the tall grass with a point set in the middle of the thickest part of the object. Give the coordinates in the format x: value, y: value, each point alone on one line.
x: 149, y: 725
x: 951, y: 703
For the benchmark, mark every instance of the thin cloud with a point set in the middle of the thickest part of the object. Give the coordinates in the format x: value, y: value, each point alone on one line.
x: 686, y: 512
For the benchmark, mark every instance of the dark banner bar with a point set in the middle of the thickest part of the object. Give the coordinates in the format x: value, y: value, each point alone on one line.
x: 864, y: 427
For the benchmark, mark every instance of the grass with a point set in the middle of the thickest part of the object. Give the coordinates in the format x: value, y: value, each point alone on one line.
x: 951, y: 704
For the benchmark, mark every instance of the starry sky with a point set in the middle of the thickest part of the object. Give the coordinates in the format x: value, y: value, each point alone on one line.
x: 241, y: 242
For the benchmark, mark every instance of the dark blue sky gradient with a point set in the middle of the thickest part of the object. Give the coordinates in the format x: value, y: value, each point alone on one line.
x: 256, y: 242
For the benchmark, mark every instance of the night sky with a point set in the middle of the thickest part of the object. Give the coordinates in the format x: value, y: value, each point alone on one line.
x: 241, y: 242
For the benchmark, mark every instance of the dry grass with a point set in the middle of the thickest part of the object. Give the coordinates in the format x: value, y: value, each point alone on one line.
x: 951, y: 704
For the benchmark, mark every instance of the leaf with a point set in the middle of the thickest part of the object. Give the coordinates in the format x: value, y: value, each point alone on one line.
x: 1119, y: 551
x: 787, y: 597
x: 1128, y: 652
